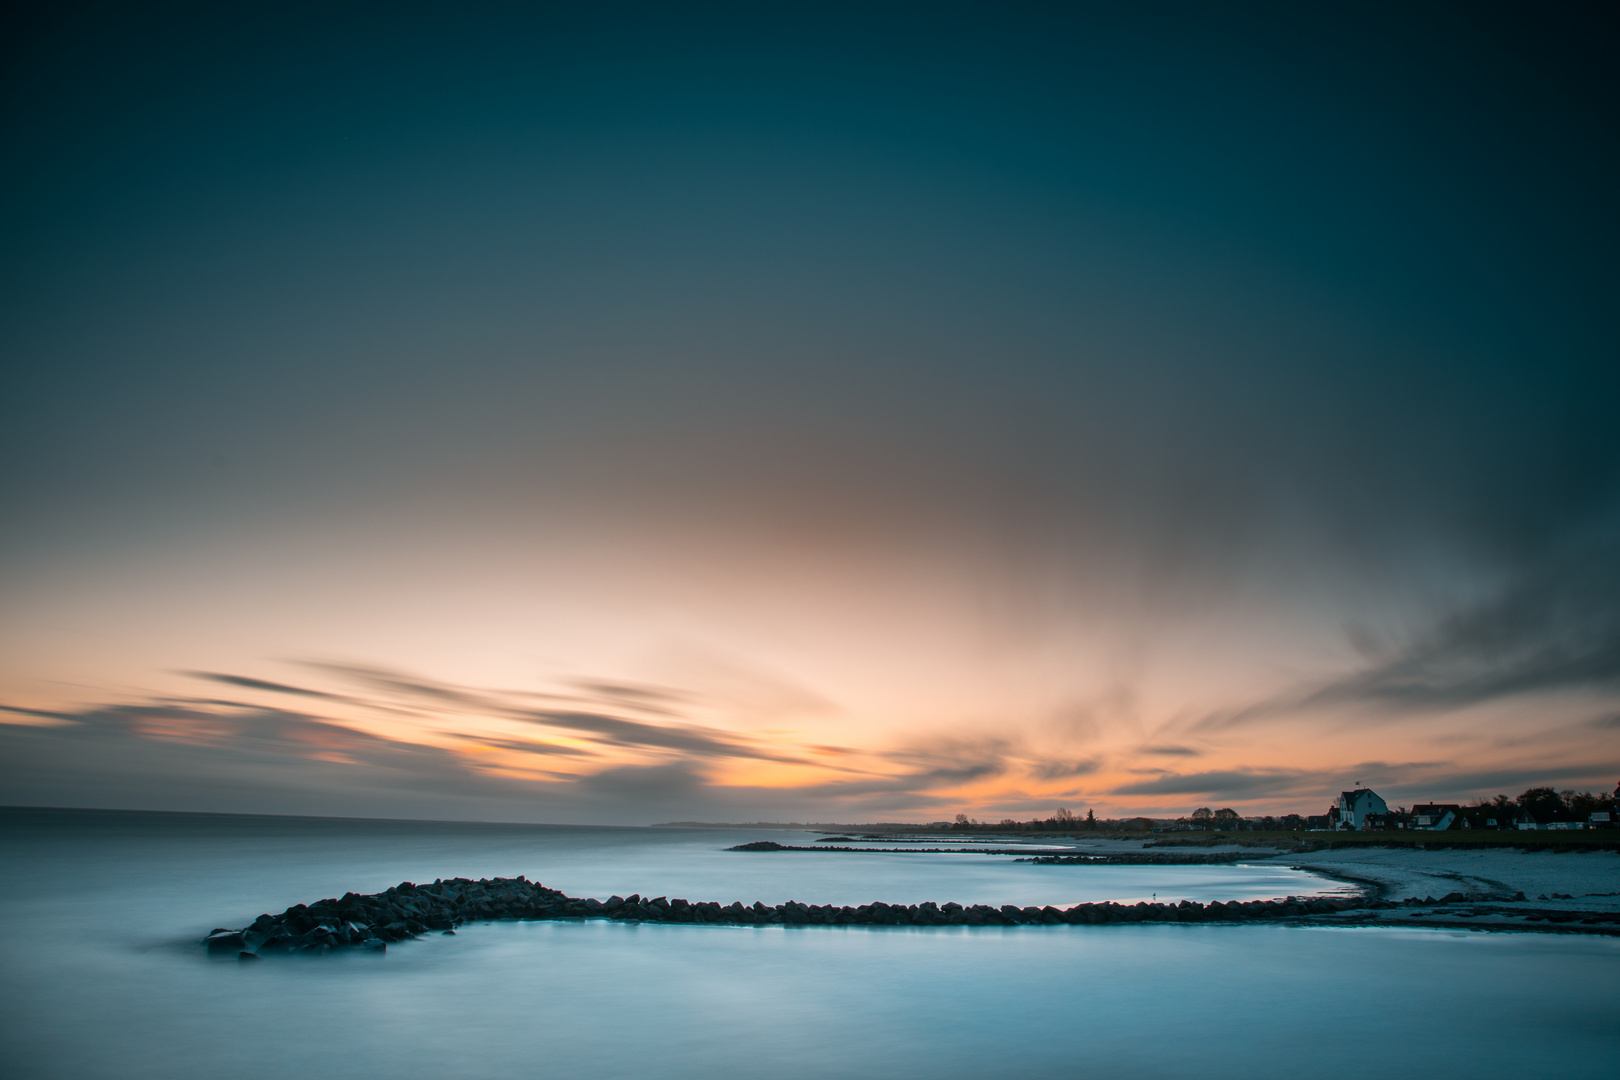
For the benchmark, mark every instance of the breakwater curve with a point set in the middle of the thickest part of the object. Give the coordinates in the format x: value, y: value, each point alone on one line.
x: 405, y: 911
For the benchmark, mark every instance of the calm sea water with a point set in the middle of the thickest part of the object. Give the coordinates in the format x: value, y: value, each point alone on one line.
x: 101, y: 979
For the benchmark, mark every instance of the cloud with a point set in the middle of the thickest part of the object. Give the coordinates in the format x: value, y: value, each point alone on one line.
x: 1060, y: 770
x: 1554, y: 628
x: 1557, y: 628
x: 248, y: 683
x: 1510, y: 779
x: 660, y: 700
x: 1225, y: 783
x: 1170, y: 751
x: 403, y: 684
x: 34, y: 717
x: 686, y: 738
x: 404, y: 744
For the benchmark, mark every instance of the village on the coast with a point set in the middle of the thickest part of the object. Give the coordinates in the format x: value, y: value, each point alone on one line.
x: 1360, y: 809
x: 1537, y: 809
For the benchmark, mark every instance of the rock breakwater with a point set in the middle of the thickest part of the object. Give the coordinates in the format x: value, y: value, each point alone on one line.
x: 408, y: 910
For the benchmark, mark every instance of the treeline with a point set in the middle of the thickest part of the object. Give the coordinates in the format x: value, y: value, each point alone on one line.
x: 1537, y: 800
x: 1064, y: 821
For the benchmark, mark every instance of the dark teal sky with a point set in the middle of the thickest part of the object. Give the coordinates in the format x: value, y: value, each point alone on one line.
x: 1253, y: 300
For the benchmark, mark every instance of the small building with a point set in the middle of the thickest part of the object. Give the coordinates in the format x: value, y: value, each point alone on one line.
x: 1436, y: 817
x: 1600, y: 819
x: 1354, y: 806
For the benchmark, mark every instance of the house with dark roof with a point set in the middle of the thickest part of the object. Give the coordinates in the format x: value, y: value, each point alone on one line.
x: 1355, y: 806
x: 1436, y: 817
x: 1489, y: 817
x: 1558, y: 817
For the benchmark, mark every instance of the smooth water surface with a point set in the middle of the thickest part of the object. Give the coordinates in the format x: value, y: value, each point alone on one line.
x: 101, y: 981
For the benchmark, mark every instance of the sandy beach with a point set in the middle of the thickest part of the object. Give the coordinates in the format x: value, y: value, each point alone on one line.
x: 1577, y: 881
x: 1549, y: 880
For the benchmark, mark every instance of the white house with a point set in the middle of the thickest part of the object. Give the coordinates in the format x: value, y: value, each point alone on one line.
x: 1354, y: 806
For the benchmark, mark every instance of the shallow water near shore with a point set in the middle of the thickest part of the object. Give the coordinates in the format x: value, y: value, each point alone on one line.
x: 103, y: 978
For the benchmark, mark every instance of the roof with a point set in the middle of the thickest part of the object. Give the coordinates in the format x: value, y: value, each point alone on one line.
x: 1543, y: 817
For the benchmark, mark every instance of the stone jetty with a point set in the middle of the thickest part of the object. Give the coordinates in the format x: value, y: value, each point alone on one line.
x: 407, y: 911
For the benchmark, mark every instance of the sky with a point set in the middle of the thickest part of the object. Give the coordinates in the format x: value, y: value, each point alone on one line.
x: 626, y: 413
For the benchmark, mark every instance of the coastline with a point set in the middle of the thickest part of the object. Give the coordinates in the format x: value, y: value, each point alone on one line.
x: 407, y: 911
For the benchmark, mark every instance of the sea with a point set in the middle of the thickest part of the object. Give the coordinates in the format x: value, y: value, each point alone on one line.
x: 101, y: 973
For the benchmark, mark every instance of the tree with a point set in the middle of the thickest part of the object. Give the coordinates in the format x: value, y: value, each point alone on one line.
x: 1584, y: 803
x: 1541, y: 800
x: 1201, y: 817
x: 1226, y: 818
x: 1091, y: 819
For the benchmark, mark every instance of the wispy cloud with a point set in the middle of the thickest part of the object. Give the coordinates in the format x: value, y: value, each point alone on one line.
x: 249, y: 683
x: 1063, y: 770
x: 1224, y: 783
x: 1554, y: 628
x: 689, y: 739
